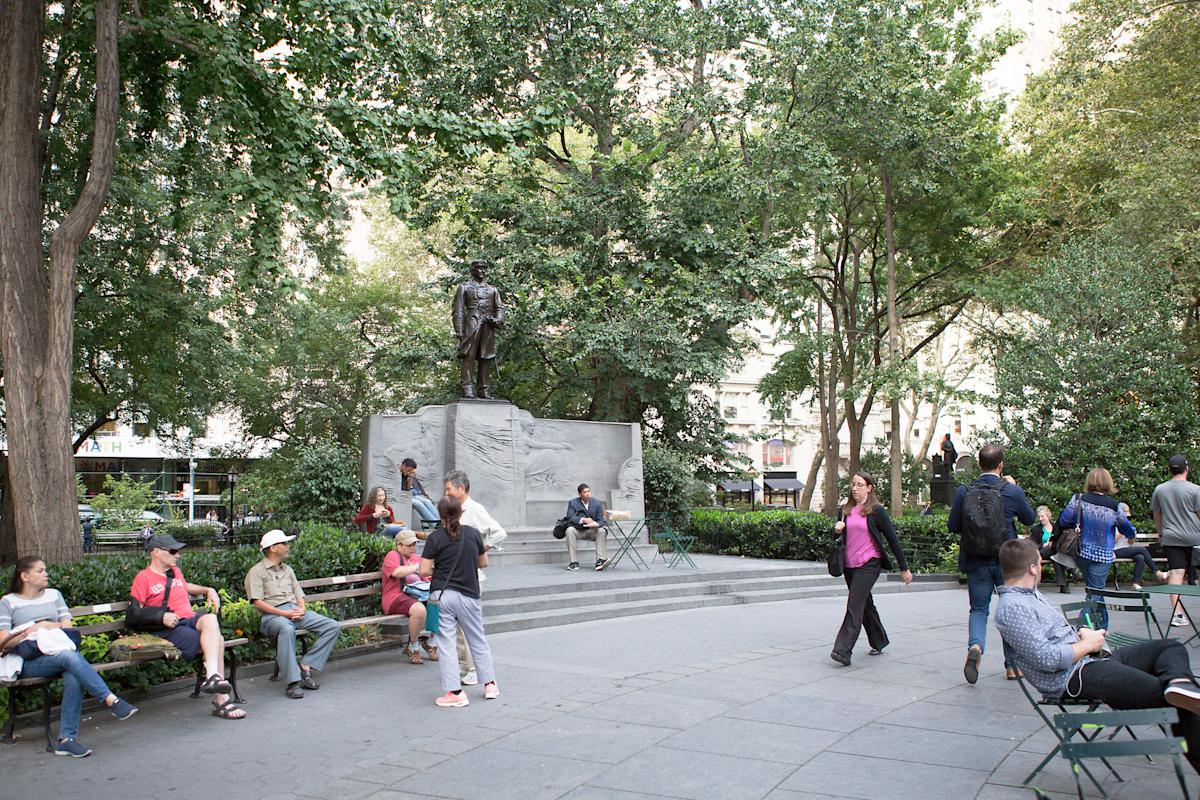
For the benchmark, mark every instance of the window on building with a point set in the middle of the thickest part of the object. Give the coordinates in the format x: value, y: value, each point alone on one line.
x: 107, y: 429
x: 777, y: 453
x: 143, y: 429
x: 958, y: 424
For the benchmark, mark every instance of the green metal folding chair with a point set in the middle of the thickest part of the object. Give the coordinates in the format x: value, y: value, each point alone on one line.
x: 678, y: 544
x: 1083, y: 613
x: 1119, y: 601
x: 1069, y: 725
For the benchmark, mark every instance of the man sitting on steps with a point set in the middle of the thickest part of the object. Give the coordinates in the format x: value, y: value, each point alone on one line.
x: 587, y: 522
x: 1062, y: 663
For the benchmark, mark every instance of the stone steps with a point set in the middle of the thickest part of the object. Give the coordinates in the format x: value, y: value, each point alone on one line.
x: 566, y: 598
x: 526, y: 620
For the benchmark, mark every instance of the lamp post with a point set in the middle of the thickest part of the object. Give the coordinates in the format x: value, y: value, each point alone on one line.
x: 231, y: 476
x: 191, y: 489
x: 752, y: 474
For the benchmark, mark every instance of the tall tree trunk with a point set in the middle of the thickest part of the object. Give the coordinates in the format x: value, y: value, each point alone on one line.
x: 37, y: 305
x: 810, y: 481
x: 897, y: 457
x: 8, y: 527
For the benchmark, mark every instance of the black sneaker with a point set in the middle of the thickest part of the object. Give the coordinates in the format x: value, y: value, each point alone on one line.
x: 573, y: 565
x: 841, y: 658
x: 971, y: 668
x: 601, y: 563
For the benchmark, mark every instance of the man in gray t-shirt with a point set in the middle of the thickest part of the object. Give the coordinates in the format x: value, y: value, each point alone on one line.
x: 1176, y: 504
x: 1176, y: 508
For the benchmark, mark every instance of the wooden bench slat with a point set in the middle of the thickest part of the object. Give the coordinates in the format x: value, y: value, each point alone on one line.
x: 337, y: 580
x: 365, y: 591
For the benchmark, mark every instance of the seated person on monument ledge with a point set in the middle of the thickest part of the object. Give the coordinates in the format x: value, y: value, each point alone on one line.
x: 586, y: 516
x: 421, y: 502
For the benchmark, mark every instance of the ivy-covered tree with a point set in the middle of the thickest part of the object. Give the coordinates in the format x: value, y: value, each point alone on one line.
x: 1109, y: 135
x: 1090, y: 372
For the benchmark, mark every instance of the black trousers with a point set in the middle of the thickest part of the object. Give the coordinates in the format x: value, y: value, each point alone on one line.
x: 1060, y: 572
x: 1141, y: 560
x: 860, y: 609
x: 1135, y: 677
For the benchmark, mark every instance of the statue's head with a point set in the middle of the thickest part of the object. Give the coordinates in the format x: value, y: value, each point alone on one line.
x: 479, y: 268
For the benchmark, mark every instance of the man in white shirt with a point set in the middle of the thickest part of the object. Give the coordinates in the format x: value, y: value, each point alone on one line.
x: 458, y: 485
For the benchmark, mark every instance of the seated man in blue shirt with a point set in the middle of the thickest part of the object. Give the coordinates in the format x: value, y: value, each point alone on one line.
x: 983, y: 572
x: 1061, y: 662
x: 586, y: 516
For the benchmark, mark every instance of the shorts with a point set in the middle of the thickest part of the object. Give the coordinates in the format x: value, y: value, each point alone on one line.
x: 401, y: 605
x: 1178, y: 556
x: 184, y: 636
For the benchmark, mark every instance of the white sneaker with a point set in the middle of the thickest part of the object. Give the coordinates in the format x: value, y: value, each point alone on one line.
x: 1137, y: 587
x: 470, y: 679
x: 1178, y: 621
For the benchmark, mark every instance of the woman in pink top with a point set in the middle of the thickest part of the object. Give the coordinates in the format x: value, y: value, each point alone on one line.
x: 865, y: 524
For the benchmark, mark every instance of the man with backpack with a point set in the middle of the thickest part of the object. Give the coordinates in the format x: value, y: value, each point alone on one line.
x: 982, y: 514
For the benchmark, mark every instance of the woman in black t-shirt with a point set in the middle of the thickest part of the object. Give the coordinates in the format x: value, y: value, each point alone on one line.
x: 452, y: 556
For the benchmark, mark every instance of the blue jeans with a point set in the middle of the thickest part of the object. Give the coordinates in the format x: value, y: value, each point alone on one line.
x: 78, y: 676
x: 425, y: 508
x: 1095, y: 575
x: 982, y: 580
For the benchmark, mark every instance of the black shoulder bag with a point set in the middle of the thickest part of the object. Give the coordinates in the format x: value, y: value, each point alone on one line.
x: 149, y: 618
x: 836, y: 560
x: 560, y: 527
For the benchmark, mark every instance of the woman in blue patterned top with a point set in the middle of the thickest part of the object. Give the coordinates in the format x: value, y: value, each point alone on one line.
x: 1098, y: 516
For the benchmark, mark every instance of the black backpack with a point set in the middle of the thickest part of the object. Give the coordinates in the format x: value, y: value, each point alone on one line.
x: 984, y: 528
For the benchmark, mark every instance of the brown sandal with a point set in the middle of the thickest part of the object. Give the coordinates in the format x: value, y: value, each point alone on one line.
x: 414, y: 656
x: 430, y: 649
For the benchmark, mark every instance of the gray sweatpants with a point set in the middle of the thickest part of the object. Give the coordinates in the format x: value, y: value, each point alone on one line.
x: 460, y: 611
x: 284, y: 631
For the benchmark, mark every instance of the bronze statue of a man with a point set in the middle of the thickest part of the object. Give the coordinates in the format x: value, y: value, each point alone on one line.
x: 476, y: 315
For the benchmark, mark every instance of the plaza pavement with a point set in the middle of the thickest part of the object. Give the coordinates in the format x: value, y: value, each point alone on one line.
x: 729, y: 702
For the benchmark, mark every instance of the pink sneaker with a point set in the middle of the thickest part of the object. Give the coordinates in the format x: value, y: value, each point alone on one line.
x: 491, y: 691
x: 452, y: 700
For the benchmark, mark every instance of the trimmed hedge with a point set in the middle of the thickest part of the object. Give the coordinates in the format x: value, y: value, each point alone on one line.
x: 807, y: 536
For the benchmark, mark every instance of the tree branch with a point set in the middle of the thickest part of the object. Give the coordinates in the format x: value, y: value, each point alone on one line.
x: 70, y: 234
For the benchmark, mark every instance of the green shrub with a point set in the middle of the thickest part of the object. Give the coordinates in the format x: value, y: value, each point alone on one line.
x: 122, y: 501
x: 668, y: 478
x: 807, y: 536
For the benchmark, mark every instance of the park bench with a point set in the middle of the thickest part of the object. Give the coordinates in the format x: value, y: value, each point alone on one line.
x: 118, y: 539
x: 341, y: 587
x: 113, y: 626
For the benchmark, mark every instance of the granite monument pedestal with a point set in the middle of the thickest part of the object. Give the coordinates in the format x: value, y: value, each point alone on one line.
x: 523, y: 469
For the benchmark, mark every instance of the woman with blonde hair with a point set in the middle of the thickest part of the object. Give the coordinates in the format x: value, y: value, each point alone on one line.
x: 865, y: 524
x: 1097, y: 514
